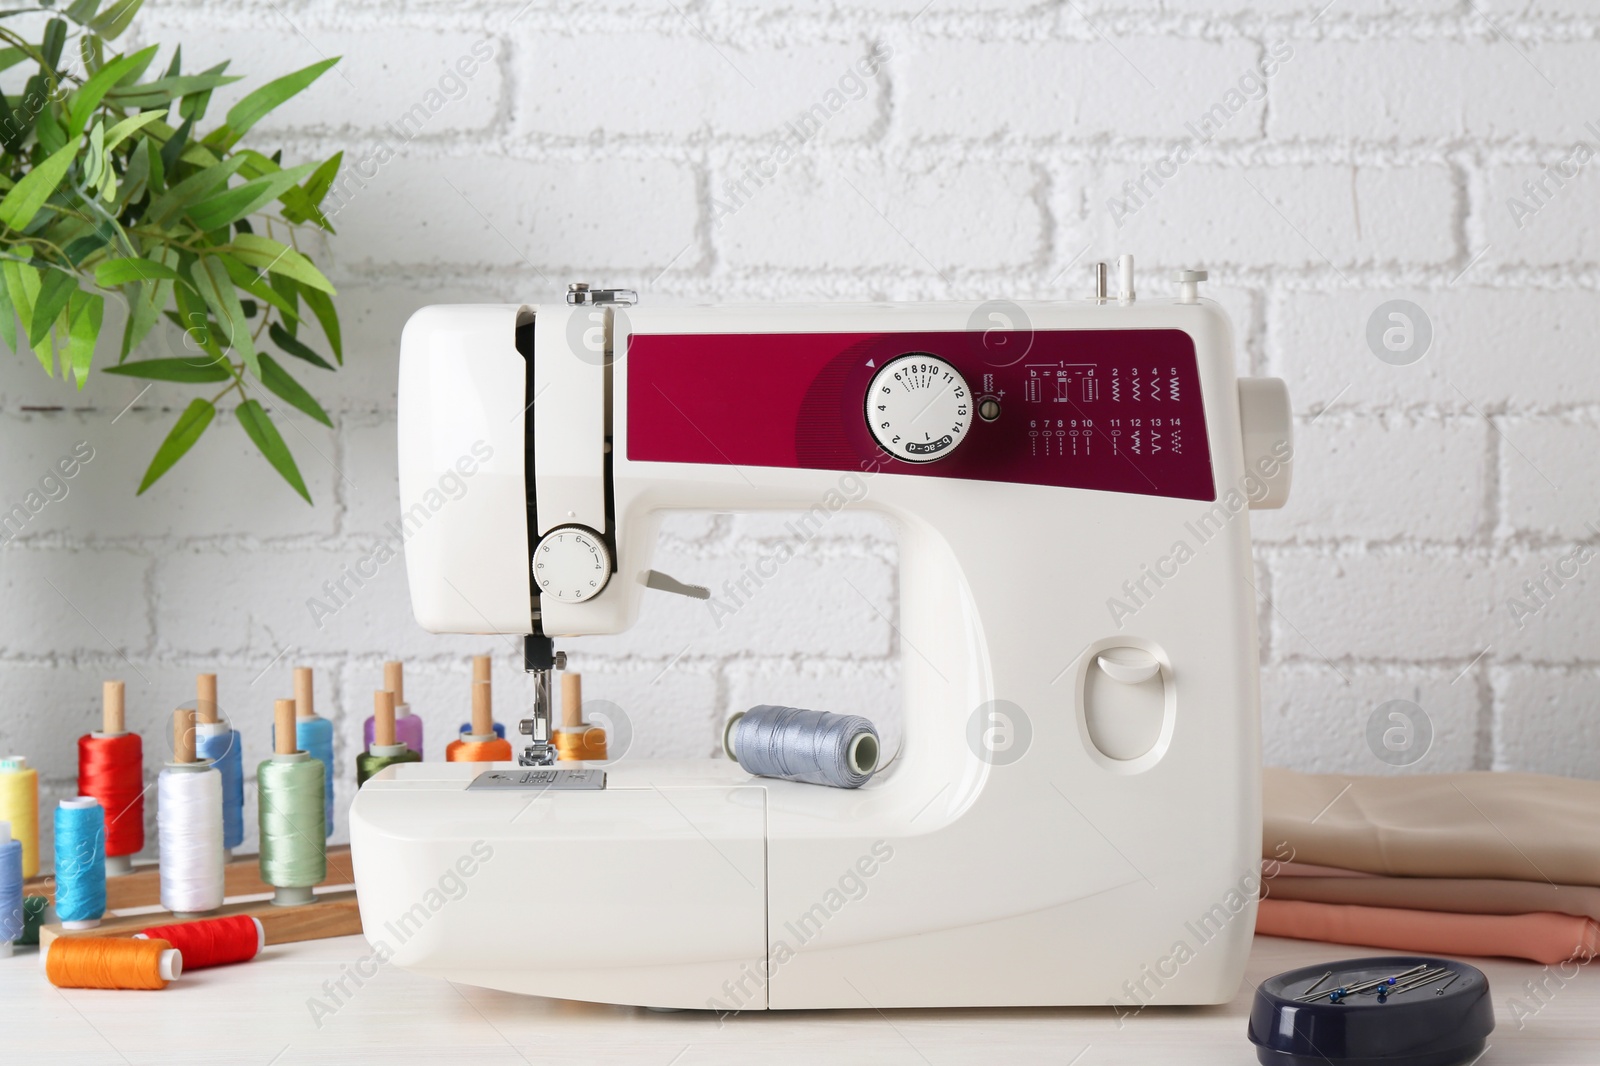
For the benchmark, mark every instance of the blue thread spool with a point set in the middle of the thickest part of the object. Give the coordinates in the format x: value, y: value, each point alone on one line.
x: 314, y: 736
x: 223, y: 746
x: 815, y: 747
x: 12, y: 922
x: 80, y: 862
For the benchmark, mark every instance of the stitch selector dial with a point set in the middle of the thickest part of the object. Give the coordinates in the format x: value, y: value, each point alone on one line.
x: 919, y: 408
x: 571, y: 564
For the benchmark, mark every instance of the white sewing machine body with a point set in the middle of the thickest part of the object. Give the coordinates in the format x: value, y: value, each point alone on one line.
x: 1074, y: 812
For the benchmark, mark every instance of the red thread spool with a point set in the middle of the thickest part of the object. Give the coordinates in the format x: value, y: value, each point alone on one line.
x: 111, y: 769
x: 213, y: 942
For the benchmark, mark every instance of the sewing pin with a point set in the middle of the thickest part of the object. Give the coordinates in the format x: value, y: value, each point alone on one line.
x: 1318, y: 985
x: 1440, y: 990
x: 1422, y: 979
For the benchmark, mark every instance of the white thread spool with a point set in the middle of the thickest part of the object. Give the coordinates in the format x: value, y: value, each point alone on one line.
x: 189, y: 819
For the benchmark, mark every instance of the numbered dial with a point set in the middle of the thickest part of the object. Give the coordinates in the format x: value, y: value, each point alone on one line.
x: 571, y: 564
x: 919, y: 408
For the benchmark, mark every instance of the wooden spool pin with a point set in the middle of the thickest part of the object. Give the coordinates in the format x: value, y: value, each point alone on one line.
x: 482, y: 710
x: 206, y: 699
x: 383, y: 718
x: 571, y: 701
x: 305, y: 707
x: 394, y: 680
x: 113, y: 715
x: 283, y: 715
x: 183, y: 736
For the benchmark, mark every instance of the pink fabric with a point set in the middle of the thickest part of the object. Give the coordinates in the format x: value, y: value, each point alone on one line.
x: 1544, y: 937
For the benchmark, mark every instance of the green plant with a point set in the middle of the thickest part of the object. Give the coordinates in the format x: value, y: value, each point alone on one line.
x: 109, y: 188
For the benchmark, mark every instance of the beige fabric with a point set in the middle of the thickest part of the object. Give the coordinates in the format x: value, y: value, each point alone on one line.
x: 1457, y: 895
x: 1498, y: 826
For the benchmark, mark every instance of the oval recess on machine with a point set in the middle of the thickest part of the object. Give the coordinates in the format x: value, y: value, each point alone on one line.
x: 1127, y: 705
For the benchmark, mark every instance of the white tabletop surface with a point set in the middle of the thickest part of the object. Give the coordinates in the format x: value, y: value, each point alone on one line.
x: 258, y: 1013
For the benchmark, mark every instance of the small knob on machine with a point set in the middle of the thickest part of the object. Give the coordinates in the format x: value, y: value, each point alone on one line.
x: 918, y: 408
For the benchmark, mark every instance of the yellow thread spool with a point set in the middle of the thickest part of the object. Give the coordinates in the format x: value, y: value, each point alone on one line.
x: 576, y: 739
x: 19, y: 805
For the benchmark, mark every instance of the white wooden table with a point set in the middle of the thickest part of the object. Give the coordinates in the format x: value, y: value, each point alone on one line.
x: 258, y: 1014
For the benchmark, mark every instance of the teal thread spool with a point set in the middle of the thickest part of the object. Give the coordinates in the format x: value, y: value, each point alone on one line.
x: 294, y: 845
x: 314, y: 735
x: 80, y: 862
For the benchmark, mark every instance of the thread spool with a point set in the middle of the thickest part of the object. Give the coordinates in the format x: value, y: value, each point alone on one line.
x: 482, y: 744
x: 19, y: 805
x: 189, y: 825
x: 407, y: 726
x: 576, y: 739
x: 110, y: 962
x: 482, y: 665
x: 218, y: 741
x: 11, y: 908
x: 294, y: 846
x: 386, y: 749
x: 212, y: 942
x: 314, y: 736
x: 111, y: 769
x: 33, y: 913
x: 80, y: 862
x: 814, y: 747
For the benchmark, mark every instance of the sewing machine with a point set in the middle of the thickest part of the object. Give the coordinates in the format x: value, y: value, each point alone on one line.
x: 1073, y: 816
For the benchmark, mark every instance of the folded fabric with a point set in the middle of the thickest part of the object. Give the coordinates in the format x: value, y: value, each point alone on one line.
x: 1456, y: 895
x: 1498, y: 826
x: 1274, y: 868
x: 1546, y: 938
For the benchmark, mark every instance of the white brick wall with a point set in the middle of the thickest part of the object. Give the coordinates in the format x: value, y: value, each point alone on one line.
x: 600, y: 140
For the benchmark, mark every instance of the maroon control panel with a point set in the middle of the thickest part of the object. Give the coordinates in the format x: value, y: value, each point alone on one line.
x: 1112, y: 410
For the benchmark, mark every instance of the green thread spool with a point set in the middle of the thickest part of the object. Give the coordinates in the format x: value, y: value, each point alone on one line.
x: 33, y: 908
x: 370, y: 762
x: 294, y: 829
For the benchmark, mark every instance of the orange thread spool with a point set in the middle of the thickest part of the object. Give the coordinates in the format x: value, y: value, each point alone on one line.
x: 481, y: 745
x: 111, y: 962
x: 494, y: 749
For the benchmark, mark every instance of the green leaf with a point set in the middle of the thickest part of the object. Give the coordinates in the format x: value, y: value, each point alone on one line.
x: 305, y: 203
x: 148, y: 95
x: 55, y: 36
x: 193, y: 422
x: 256, y: 106
x: 82, y: 103
x: 83, y: 10
x: 86, y: 314
x: 282, y: 338
x: 191, y: 371
x: 113, y: 20
x: 22, y: 286
x: 191, y: 189
x: 216, y: 288
x: 264, y: 253
x: 248, y: 280
x: 22, y: 203
x: 230, y: 205
x: 147, y: 301
x: 8, y: 317
x: 54, y: 292
x: 114, y: 272
x: 327, y: 318
x: 265, y: 434
x: 192, y: 319
x: 128, y: 127
x: 278, y: 380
